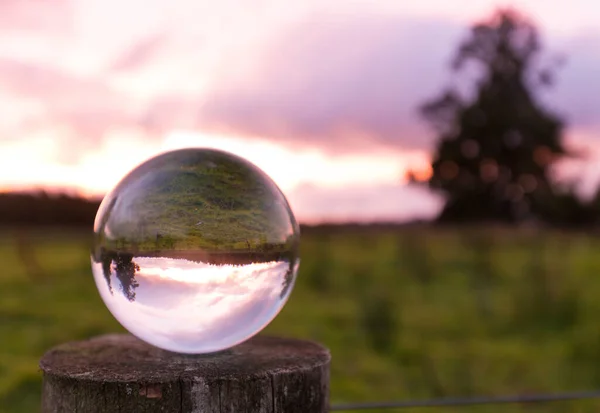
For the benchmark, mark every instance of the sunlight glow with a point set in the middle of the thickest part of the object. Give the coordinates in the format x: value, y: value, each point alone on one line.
x: 290, y: 168
x: 37, y: 163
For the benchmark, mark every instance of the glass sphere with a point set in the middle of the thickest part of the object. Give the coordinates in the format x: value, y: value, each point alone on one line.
x: 195, y: 250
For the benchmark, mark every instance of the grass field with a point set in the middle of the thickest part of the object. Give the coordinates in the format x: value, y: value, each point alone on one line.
x: 409, y: 313
x: 190, y: 199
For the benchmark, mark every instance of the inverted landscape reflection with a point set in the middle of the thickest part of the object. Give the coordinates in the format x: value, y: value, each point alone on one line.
x: 195, y: 250
x: 189, y: 306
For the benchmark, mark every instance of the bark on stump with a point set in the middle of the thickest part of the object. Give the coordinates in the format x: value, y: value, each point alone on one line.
x: 119, y: 373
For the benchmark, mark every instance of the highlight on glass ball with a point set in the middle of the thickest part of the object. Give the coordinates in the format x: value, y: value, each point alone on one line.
x: 195, y: 250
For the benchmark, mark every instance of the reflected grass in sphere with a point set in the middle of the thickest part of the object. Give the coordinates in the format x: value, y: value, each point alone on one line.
x: 195, y: 250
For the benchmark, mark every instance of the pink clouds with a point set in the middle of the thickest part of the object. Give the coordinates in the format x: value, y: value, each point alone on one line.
x: 28, y: 80
x: 340, y: 82
x: 82, y: 110
x: 48, y: 16
x: 141, y: 54
x: 345, y: 82
x: 363, y: 202
x: 349, y: 82
x: 577, y: 90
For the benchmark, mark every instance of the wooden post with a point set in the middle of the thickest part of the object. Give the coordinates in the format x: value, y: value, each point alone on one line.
x: 119, y: 373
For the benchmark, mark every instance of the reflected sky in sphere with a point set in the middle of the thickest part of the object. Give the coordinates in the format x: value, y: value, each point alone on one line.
x: 194, y: 307
x: 195, y: 251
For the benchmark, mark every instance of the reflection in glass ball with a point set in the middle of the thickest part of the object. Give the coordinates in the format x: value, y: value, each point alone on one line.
x: 195, y: 250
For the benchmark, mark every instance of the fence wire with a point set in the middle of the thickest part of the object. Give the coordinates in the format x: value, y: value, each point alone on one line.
x: 470, y: 401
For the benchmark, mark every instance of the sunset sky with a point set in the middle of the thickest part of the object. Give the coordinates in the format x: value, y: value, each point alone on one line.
x: 322, y: 95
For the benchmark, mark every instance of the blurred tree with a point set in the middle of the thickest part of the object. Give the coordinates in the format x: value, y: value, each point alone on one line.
x: 494, y: 154
x: 124, y: 269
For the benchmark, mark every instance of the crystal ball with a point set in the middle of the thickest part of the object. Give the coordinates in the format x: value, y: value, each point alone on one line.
x: 195, y: 250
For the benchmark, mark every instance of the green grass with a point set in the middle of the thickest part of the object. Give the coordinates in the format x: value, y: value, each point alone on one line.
x: 191, y: 199
x: 407, y: 314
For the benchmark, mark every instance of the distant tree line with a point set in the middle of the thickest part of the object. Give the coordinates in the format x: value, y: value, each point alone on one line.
x: 61, y: 210
x: 46, y: 209
x: 35, y: 209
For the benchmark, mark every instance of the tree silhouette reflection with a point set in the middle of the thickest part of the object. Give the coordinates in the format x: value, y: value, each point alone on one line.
x: 288, y: 278
x: 106, y: 270
x: 124, y: 267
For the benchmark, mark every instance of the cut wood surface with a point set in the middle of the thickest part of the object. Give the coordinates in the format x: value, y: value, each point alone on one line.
x: 120, y: 373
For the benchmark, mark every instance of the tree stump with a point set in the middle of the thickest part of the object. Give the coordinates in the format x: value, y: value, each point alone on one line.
x: 120, y: 373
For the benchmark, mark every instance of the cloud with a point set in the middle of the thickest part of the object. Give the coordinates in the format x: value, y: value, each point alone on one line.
x: 55, y: 86
x: 355, y: 82
x: 46, y: 16
x: 172, y: 111
x: 82, y: 109
x: 340, y: 82
x: 344, y: 82
x: 577, y: 90
x: 80, y: 112
x: 141, y: 54
x: 360, y: 203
